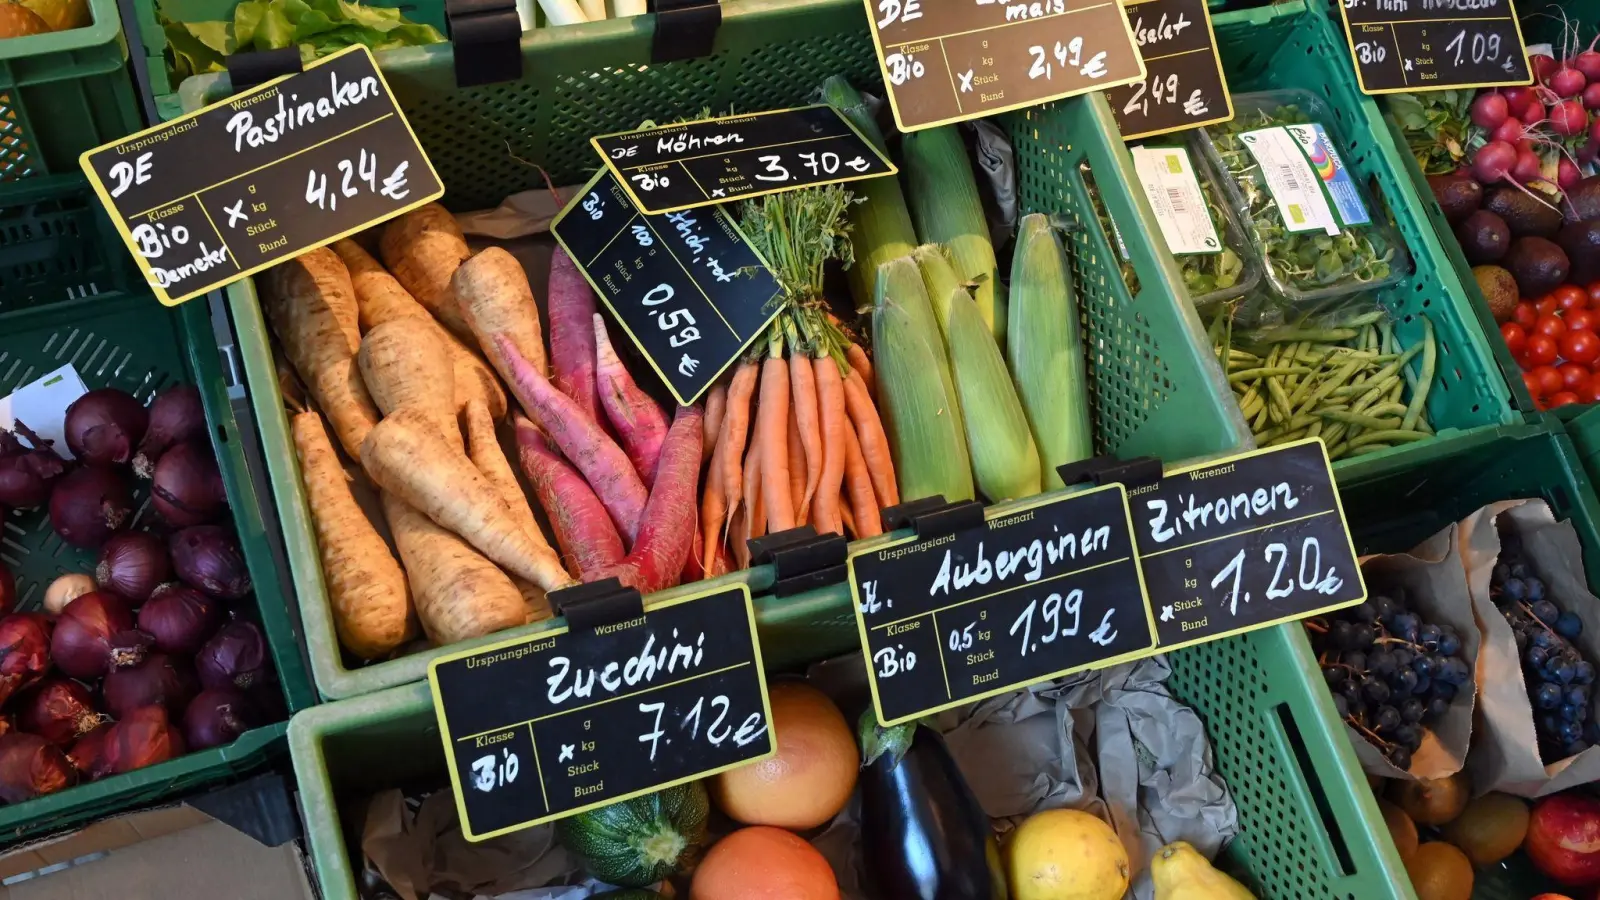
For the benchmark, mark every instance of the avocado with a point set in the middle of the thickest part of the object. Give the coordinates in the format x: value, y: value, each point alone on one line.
x: 1537, y: 264
x: 1581, y: 241
x: 1525, y: 216
x: 1499, y: 289
x: 1484, y: 237
x: 1458, y: 193
x: 1583, y: 200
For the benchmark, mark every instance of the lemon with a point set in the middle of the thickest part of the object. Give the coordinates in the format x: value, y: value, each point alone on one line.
x: 1179, y: 872
x: 1063, y: 854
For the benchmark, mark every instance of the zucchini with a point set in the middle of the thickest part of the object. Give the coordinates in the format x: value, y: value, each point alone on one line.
x: 638, y: 842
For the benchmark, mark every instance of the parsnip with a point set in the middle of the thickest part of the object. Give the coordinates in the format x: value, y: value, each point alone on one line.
x: 459, y: 594
x: 423, y: 248
x: 494, y: 295
x: 405, y: 368
x: 405, y: 456
x: 367, y: 588
x: 483, y: 447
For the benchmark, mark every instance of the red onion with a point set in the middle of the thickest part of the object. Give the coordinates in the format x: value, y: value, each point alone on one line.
x: 176, y: 415
x: 235, y: 657
x: 218, y: 717
x: 31, y: 766
x: 88, y: 755
x: 180, y: 619
x: 188, y: 487
x: 8, y: 590
x: 26, y: 475
x: 160, y: 680
x: 24, y: 651
x: 95, y: 634
x: 208, y: 557
x: 104, y: 426
x: 142, y: 738
x: 132, y: 565
x: 60, y: 711
x: 90, y: 505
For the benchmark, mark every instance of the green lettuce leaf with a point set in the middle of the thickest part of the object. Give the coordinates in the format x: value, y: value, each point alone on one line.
x: 316, y: 27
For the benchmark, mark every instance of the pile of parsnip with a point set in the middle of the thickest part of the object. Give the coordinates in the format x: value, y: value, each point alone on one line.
x: 408, y: 361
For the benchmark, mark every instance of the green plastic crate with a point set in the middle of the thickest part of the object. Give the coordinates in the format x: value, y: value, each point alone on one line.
x: 61, y: 94
x: 1295, y: 45
x: 66, y: 296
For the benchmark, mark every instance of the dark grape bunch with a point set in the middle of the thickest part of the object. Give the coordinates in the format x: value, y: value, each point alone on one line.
x: 1391, y: 673
x: 1559, y: 679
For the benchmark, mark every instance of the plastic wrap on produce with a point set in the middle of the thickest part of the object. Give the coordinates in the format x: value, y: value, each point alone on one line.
x: 520, y: 215
x: 996, y: 166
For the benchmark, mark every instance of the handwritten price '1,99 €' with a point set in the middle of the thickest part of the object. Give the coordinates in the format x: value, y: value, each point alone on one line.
x: 1068, y: 55
x: 717, y: 731
x: 1308, y: 577
x: 354, y: 174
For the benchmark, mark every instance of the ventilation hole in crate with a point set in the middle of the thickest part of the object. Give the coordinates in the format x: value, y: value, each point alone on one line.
x: 16, y: 154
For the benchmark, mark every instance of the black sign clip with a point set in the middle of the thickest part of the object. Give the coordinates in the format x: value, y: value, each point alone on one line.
x: 1141, y: 471
x: 802, y: 560
x: 253, y: 67
x: 685, y: 29
x: 933, y: 517
x: 605, y: 602
x: 487, y: 40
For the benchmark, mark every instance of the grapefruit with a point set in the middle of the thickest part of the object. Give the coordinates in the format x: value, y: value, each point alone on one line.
x: 763, y: 863
x: 1439, y: 871
x: 1064, y: 854
x: 809, y: 779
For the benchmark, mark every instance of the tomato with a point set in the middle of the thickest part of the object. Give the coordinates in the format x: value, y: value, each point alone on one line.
x: 1575, y: 377
x: 1550, y: 380
x: 1563, y: 398
x: 1593, y: 291
x: 1525, y: 314
x: 1532, y: 384
x: 1580, y: 347
x: 1516, y: 337
x: 1541, y: 350
x: 1581, y: 319
x: 1552, y: 325
x: 1591, y: 391
x: 1570, y: 296
x: 1546, y: 304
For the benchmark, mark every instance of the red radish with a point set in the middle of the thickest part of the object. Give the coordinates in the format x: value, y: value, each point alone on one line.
x: 1568, y: 83
x: 1544, y: 65
x: 1591, y: 95
x: 1567, y: 173
x: 1517, y: 96
x: 1510, y: 130
x: 1489, y: 110
x: 1494, y: 161
x: 666, y: 536
x: 571, y: 335
x: 592, y: 451
x: 1568, y: 118
x: 583, y: 529
x: 1532, y: 112
x: 1563, y: 838
x: 638, y: 422
x: 1588, y: 62
x: 1527, y: 166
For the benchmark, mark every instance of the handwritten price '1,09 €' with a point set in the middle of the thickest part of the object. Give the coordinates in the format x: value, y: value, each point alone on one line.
x: 353, y: 175
x: 1068, y: 55
x: 717, y: 730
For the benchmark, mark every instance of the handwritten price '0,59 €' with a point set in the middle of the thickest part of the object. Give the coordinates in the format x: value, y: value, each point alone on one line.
x: 1308, y: 577
x: 1068, y: 55
x: 717, y: 732
x: 354, y: 174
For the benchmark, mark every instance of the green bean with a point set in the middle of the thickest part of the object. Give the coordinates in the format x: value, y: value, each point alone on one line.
x: 1373, y: 422
x: 1339, y: 376
x: 1419, y: 396
x: 1279, y: 400
x: 1389, y: 436
x: 1247, y: 374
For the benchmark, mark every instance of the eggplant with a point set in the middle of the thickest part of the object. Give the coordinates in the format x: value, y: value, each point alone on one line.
x: 925, y: 835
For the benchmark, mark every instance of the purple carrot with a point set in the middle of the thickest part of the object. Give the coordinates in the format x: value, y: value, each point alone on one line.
x: 583, y: 530
x: 571, y: 336
x: 635, y: 418
x: 666, y: 536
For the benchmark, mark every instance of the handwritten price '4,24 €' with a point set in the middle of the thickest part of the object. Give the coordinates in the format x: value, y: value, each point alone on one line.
x: 717, y: 731
x: 354, y: 174
x: 1066, y: 56
x: 1309, y: 577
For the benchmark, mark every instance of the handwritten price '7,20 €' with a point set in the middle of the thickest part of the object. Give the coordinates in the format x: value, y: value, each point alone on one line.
x: 353, y: 175
x: 1065, y: 56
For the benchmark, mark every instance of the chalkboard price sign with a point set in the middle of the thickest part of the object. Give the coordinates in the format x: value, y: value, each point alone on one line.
x: 570, y: 719
x: 1432, y: 45
x: 1183, y: 85
x: 1246, y: 542
x: 946, y: 61
x: 1041, y: 589
x: 678, y: 167
x: 687, y: 286
x: 263, y: 176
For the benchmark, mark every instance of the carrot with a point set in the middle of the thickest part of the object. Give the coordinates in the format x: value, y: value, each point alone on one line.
x: 367, y: 587
x: 739, y: 530
x: 596, y: 455
x: 847, y: 518
x: 636, y: 419
x: 713, y: 503
x: 380, y: 299
x: 736, y: 426
x: 459, y: 594
x: 716, y: 405
x: 583, y: 530
x: 831, y: 413
x: 772, y: 425
x: 490, y: 460
x: 495, y: 298
x: 808, y: 426
x: 311, y: 306
x: 874, y: 443
x: 797, y: 467
x: 423, y: 248
x: 859, y: 362
x: 572, y: 351
x: 858, y: 479
x: 754, y: 503
x: 406, y: 457
x: 666, y: 536
x: 404, y: 367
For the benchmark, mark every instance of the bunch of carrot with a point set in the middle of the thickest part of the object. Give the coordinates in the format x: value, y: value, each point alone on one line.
x: 793, y: 437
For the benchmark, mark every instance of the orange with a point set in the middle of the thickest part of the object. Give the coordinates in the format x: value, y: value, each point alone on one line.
x: 1440, y: 872
x: 809, y: 779
x: 762, y: 863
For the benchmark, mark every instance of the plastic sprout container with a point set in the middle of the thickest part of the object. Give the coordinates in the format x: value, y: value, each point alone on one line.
x: 1317, y: 231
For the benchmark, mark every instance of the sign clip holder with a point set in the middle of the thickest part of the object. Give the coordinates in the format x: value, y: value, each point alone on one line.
x: 802, y: 560
x: 1141, y: 471
x: 590, y: 606
x: 487, y: 36
x: 934, y: 516
x: 685, y: 29
x: 253, y: 67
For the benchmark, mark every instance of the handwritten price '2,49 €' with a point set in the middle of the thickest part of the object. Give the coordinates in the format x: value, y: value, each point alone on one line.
x: 1065, y: 56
